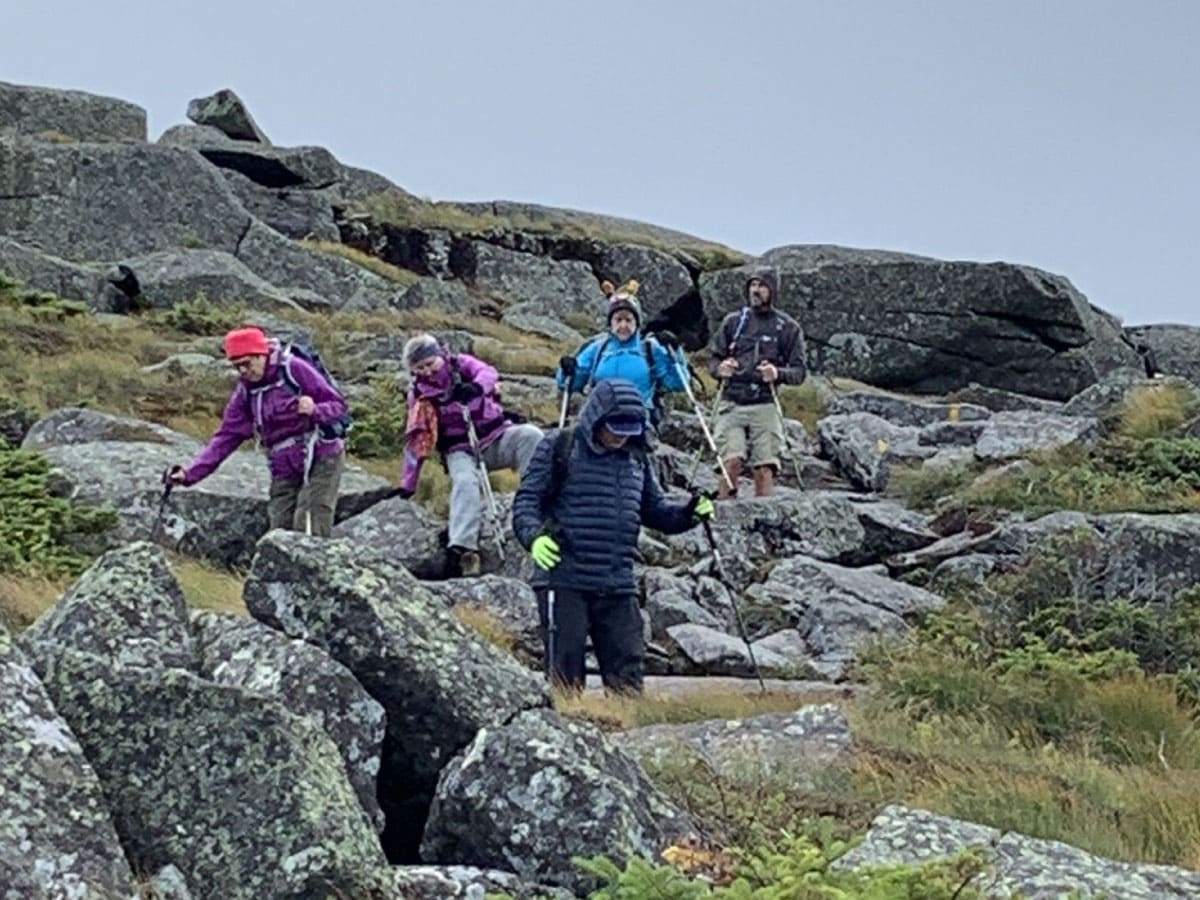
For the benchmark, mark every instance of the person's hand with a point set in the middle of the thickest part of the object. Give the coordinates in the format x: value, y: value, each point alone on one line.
x: 569, y: 366
x: 668, y: 339
x: 767, y: 372
x: 466, y: 391
x: 175, y: 475
x: 702, y: 507
x: 727, y: 368
x: 305, y: 405
x: 545, y: 552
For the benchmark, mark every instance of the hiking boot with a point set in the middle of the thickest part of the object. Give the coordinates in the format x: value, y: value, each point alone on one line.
x: 469, y: 563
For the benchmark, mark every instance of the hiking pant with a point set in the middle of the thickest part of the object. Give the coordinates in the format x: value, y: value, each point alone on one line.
x: 291, y: 500
x: 753, y: 427
x: 615, y: 625
x: 512, y: 450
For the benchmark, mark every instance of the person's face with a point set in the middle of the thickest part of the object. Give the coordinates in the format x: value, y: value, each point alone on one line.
x: 760, y: 292
x: 251, y: 368
x: 428, y: 367
x: 609, y: 440
x: 624, y: 324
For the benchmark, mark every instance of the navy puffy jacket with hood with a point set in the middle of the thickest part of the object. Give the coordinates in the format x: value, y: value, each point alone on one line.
x: 606, y: 497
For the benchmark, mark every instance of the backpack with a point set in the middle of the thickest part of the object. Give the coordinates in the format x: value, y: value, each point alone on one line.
x: 330, y: 431
x: 560, y: 463
x: 656, y: 391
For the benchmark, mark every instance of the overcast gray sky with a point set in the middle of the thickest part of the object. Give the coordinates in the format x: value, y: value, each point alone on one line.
x: 1061, y: 133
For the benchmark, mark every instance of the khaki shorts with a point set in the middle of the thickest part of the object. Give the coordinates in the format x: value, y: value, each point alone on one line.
x: 756, y: 426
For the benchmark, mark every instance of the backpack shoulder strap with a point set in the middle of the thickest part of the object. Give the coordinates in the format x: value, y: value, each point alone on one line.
x: 600, y: 341
x: 560, y: 464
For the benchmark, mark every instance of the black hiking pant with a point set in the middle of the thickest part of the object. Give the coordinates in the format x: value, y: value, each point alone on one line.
x: 615, y: 625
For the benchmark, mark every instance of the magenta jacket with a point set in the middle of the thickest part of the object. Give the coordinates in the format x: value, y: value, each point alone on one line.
x: 267, y: 409
x: 486, y: 412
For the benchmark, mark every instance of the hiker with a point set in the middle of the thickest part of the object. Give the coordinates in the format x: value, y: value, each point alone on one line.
x: 587, y: 492
x: 445, y: 384
x: 298, y: 416
x: 756, y: 348
x: 655, y: 366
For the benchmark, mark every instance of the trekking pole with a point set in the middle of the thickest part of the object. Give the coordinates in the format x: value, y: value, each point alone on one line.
x: 168, y: 485
x: 310, y: 449
x: 787, y: 438
x: 707, y: 433
x: 719, y: 564
x: 485, y: 483
x: 551, y: 623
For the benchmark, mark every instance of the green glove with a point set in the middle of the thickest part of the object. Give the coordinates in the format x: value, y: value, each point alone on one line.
x: 704, y: 509
x: 545, y: 552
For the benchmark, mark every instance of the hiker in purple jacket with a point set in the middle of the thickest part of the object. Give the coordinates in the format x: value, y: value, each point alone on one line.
x: 284, y: 410
x: 452, y: 383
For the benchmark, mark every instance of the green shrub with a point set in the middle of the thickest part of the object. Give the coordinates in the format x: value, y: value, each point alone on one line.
x: 202, y: 317
x: 37, y: 528
x: 799, y: 868
x: 380, y: 421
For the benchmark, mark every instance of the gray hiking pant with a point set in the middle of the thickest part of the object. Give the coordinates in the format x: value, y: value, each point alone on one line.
x: 513, y: 450
x: 291, y: 501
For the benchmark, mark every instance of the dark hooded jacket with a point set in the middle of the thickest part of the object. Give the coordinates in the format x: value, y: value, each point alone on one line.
x: 750, y: 337
x: 606, y: 497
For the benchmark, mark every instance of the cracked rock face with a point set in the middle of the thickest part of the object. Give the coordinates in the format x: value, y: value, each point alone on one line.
x: 912, y: 323
x: 529, y: 795
x: 165, y: 744
x: 56, y: 836
x: 438, y: 682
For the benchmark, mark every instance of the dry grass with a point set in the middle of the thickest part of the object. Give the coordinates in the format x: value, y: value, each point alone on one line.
x: 489, y: 626
x: 209, y: 588
x: 623, y: 713
x: 365, y: 260
x: 1158, y: 411
x: 25, y: 597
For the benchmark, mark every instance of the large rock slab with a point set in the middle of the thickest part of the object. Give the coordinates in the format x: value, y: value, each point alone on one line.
x: 509, y: 601
x: 802, y: 743
x: 226, y: 112
x: 468, y: 882
x: 864, y: 445
x: 664, y: 281
x: 836, y: 608
x: 44, y: 272
x: 542, y: 285
x: 1034, y: 868
x: 1176, y: 348
x: 265, y: 165
x: 292, y: 267
x: 756, y: 531
x: 529, y: 795
x: 904, y: 410
x: 709, y: 651
x: 170, y: 277
x: 1008, y: 435
x: 244, y: 798
x: 402, y: 530
x: 219, y: 519
x: 671, y: 599
x: 127, y: 608
x: 438, y: 682
x: 56, y: 835
x: 296, y: 213
x: 105, y: 201
x: 58, y: 115
x: 912, y: 323
x: 245, y: 654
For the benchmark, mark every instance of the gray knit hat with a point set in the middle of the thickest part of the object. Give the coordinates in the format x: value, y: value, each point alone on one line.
x: 420, y: 347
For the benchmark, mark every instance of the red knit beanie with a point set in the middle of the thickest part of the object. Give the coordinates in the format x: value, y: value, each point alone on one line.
x: 245, y: 342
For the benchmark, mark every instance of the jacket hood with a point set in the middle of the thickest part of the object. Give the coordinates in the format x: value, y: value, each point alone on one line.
x: 769, y: 276
x: 613, y: 396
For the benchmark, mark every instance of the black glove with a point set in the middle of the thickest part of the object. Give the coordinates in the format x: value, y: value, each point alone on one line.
x: 568, y: 365
x: 668, y: 339
x: 466, y: 391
